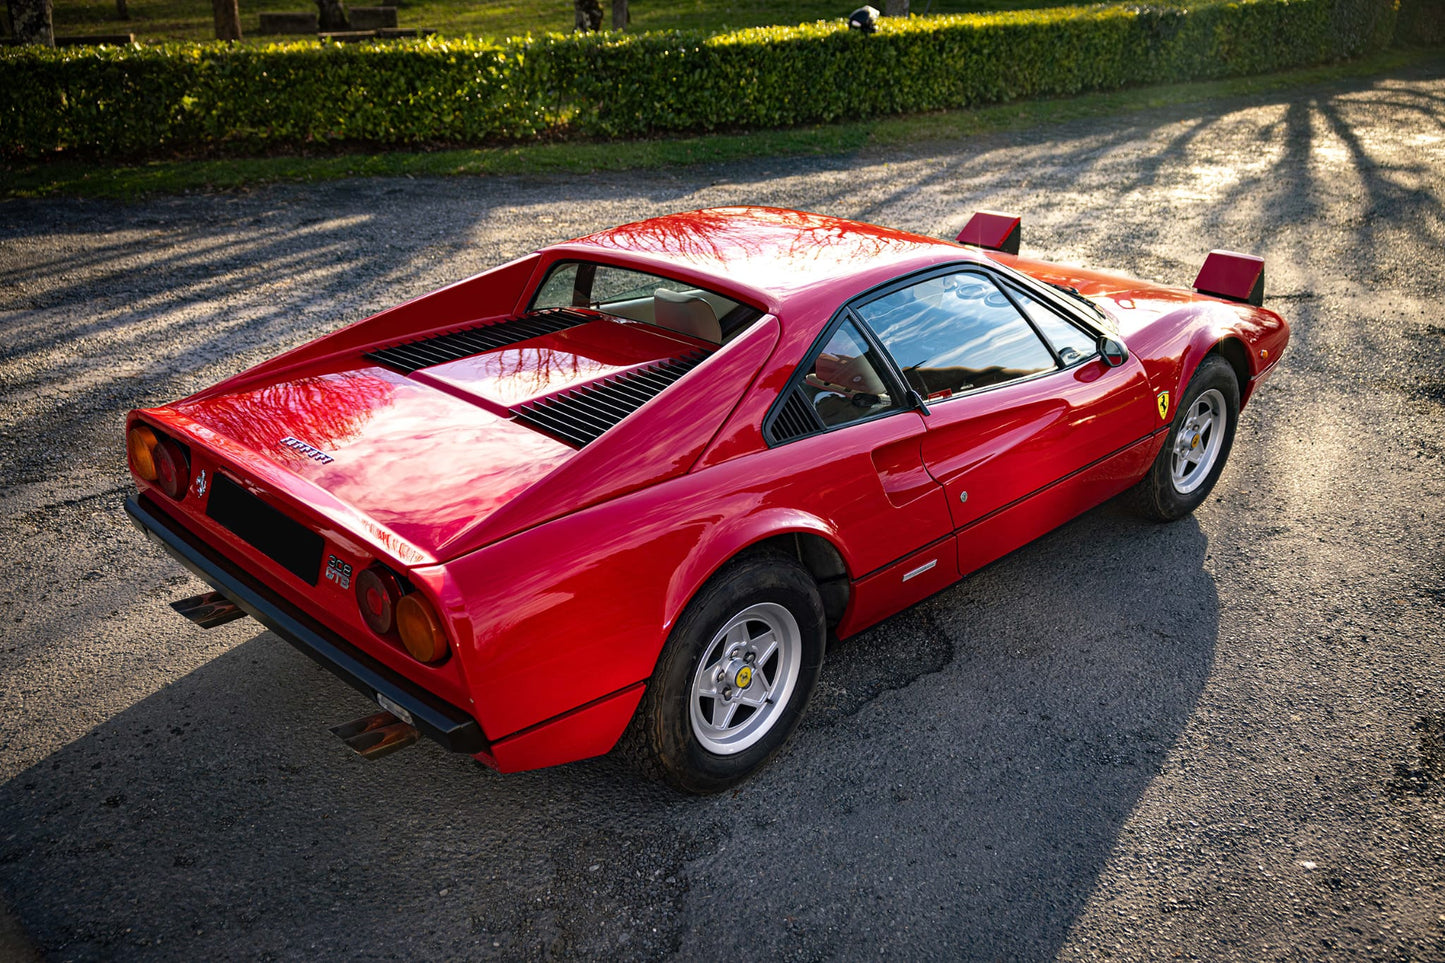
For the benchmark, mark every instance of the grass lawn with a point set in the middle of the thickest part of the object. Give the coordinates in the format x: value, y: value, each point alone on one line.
x: 157, y: 20
x: 132, y: 181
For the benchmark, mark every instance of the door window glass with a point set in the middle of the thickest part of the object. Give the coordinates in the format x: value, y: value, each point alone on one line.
x: 845, y: 381
x: 1071, y: 343
x: 956, y: 333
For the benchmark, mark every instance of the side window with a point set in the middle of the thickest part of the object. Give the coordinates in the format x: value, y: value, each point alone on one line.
x: 845, y: 382
x: 956, y: 333
x: 1071, y: 343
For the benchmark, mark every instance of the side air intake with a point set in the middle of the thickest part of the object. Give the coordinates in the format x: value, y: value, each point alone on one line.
x: 794, y: 419
x: 580, y: 415
x: 454, y: 345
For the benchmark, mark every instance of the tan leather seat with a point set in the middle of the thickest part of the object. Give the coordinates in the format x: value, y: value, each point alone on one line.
x: 686, y: 313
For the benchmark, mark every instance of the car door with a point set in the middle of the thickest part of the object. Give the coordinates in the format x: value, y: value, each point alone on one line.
x: 854, y: 441
x: 1027, y: 423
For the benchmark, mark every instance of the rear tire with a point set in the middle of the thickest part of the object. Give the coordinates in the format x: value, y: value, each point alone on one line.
x: 735, y: 674
x: 1197, y: 446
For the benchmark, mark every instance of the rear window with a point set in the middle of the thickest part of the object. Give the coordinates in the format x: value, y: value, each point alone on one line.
x: 649, y: 298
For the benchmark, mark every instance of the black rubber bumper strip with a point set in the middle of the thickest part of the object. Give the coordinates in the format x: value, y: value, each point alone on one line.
x: 436, y: 718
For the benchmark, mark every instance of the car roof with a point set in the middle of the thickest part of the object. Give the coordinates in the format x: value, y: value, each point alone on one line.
x: 773, y: 254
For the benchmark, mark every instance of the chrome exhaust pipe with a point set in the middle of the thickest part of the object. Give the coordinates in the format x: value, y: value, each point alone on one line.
x: 374, y: 736
x: 209, y: 610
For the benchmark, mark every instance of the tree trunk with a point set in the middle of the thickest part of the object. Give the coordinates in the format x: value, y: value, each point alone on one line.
x: 621, y: 16
x: 228, y: 18
x: 333, y: 15
x: 588, y: 15
x: 122, y: 11
x: 33, y: 22
x: 895, y: 8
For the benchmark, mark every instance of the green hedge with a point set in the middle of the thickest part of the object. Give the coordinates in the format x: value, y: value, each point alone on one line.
x: 199, y: 98
x: 1421, y: 22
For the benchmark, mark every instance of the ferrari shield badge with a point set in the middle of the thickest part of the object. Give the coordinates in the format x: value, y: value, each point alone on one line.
x: 1164, y: 405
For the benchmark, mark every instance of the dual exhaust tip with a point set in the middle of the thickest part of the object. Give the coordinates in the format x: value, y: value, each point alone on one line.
x: 370, y: 737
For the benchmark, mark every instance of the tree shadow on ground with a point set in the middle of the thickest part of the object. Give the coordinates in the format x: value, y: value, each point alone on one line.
x: 957, y: 786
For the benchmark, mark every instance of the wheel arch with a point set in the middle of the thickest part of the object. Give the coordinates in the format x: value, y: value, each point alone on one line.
x: 1231, y: 349
x: 810, y: 540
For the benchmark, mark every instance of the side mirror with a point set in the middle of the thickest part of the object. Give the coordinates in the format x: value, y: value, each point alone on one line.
x: 1113, y: 351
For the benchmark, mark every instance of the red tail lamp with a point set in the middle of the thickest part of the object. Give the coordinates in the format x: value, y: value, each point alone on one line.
x: 420, y: 628
x: 377, y: 592
x: 140, y: 444
x: 173, y: 468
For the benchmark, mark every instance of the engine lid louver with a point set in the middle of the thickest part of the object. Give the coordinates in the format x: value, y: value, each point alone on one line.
x: 412, y: 356
x: 580, y: 415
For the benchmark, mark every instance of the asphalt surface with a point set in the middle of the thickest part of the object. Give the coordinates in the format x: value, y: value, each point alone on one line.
x: 1218, y: 739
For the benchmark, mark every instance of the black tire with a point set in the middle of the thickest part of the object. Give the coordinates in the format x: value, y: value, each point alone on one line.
x: 1166, y: 494
x: 674, y: 731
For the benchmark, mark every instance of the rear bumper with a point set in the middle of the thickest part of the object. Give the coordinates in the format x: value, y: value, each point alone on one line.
x: 439, y: 720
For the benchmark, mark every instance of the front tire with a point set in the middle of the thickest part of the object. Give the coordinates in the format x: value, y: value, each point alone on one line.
x: 1199, y: 441
x: 735, y: 674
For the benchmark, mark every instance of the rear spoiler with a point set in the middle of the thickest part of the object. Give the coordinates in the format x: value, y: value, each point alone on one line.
x: 1238, y: 277
x: 993, y: 231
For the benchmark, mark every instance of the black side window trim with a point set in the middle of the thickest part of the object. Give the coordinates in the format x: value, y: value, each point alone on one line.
x: 883, y: 361
x: 906, y: 399
x: 1005, y: 284
x: 999, y: 281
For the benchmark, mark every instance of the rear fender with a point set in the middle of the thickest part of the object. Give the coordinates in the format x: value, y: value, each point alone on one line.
x: 723, y: 544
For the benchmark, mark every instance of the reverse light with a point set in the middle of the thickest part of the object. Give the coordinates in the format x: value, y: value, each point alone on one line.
x: 420, y: 628
x: 172, y: 467
x: 140, y: 445
x: 377, y: 592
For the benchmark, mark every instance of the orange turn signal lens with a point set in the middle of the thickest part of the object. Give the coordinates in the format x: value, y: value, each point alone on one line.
x: 420, y: 628
x: 140, y: 444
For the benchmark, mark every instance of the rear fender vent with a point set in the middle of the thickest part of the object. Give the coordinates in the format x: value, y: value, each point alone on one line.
x: 793, y: 419
x: 454, y: 345
x: 581, y: 415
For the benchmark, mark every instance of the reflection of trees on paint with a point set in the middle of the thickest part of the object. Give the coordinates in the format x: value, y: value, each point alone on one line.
x: 528, y: 372
x: 689, y: 235
x: 324, y: 411
x: 718, y: 236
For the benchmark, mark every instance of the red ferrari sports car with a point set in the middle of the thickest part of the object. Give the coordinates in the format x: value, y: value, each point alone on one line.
x: 642, y: 477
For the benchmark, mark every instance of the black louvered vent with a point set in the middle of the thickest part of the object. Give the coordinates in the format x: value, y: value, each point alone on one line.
x: 455, y: 345
x: 794, y: 419
x: 581, y: 415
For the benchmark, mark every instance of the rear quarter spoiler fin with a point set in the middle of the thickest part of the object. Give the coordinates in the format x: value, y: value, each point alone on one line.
x: 993, y: 231
x: 1238, y: 277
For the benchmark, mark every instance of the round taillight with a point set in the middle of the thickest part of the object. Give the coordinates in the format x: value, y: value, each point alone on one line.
x: 173, y: 469
x: 140, y: 444
x: 420, y: 628
x: 377, y: 592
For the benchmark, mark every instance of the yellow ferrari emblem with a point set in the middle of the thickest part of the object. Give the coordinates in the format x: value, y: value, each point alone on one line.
x: 744, y: 677
x: 1164, y: 405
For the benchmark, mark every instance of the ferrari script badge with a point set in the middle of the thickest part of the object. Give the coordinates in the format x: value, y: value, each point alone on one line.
x: 744, y: 677
x: 1164, y: 405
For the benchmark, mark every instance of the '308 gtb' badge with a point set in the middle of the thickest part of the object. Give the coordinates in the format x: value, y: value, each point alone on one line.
x: 338, y: 571
x: 1164, y: 405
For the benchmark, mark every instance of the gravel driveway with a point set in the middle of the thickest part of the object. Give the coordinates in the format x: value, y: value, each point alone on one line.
x: 1218, y: 739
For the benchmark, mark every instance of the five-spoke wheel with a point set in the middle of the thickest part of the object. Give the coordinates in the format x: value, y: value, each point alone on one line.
x: 735, y: 674
x: 744, y: 678
x: 1198, y: 441
x: 1200, y: 437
